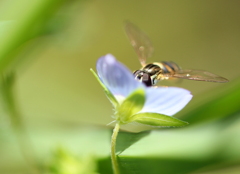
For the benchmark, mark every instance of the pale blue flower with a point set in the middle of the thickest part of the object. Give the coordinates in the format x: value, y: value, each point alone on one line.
x: 120, y: 81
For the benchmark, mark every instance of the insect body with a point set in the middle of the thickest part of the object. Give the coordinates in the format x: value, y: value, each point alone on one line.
x: 151, y: 73
x: 154, y: 72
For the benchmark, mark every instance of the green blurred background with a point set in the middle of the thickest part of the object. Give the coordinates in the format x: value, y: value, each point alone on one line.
x: 58, y: 96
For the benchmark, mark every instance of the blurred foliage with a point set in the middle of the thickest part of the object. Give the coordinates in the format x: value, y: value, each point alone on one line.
x: 47, y: 48
x: 223, y: 106
x: 64, y: 162
x: 25, y: 25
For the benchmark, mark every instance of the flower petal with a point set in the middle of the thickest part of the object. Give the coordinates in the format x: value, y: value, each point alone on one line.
x: 166, y: 100
x: 117, y: 78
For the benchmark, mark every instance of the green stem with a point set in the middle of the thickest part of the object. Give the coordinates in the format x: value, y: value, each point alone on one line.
x: 113, y: 147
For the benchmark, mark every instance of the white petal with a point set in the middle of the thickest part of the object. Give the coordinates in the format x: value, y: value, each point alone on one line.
x: 117, y: 78
x: 166, y: 100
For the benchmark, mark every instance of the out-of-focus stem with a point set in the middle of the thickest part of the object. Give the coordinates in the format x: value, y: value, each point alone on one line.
x: 9, y: 104
x: 113, y: 147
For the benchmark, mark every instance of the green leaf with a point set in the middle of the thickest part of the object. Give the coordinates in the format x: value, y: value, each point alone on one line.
x: 127, y: 139
x: 108, y: 93
x: 158, y: 120
x: 130, y: 106
x: 5, y: 26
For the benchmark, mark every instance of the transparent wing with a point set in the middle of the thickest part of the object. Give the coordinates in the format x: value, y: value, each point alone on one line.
x: 197, y: 75
x: 140, y: 42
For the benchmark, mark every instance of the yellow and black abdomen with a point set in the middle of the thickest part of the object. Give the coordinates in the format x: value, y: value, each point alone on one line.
x: 161, y: 68
x: 169, y: 67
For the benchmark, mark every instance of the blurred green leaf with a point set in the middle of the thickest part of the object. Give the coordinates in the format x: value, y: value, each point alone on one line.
x: 27, y: 23
x: 158, y: 120
x: 225, y: 104
x: 4, y: 27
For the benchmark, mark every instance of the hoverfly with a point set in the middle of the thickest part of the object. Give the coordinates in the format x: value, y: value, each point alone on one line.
x: 151, y: 73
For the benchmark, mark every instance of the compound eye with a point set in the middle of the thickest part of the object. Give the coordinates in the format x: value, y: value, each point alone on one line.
x: 146, y: 79
x: 138, y: 77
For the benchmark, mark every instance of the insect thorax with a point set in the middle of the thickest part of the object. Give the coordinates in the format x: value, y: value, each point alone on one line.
x: 148, y: 74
